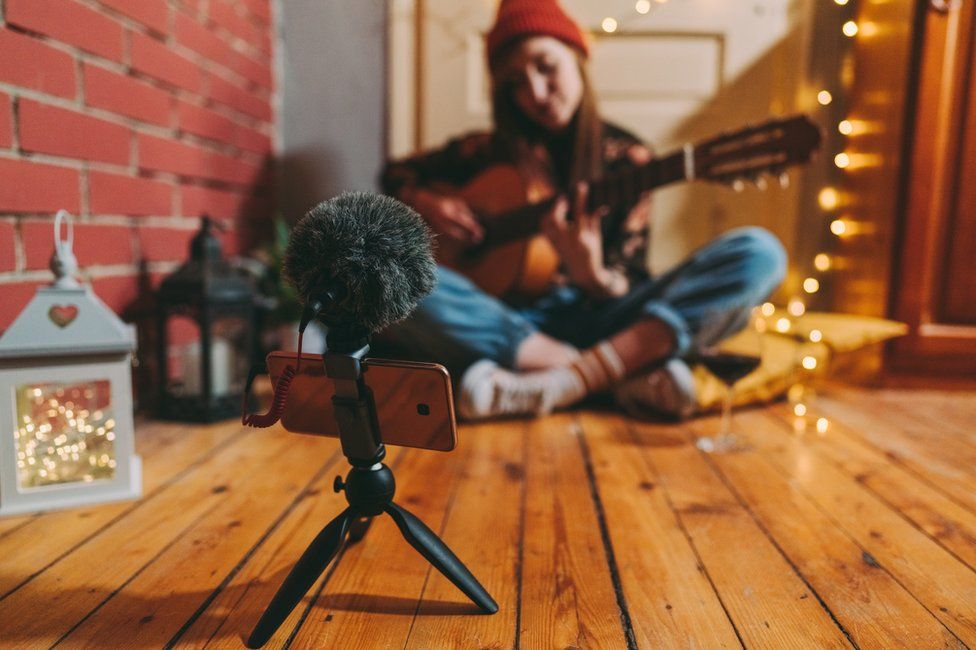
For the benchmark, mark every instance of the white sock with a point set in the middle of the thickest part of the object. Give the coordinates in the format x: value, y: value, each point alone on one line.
x: 566, y: 385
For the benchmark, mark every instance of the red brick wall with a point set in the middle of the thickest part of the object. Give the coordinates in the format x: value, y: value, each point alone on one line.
x: 137, y: 116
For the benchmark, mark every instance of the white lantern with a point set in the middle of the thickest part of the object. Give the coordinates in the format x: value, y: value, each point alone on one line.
x: 66, y: 429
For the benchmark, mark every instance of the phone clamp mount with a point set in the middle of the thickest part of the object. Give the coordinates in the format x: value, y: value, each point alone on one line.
x: 369, y: 488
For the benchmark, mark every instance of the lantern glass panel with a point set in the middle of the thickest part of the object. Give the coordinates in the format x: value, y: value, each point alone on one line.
x: 230, y: 354
x: 183, y: 370
x: 65, y: 433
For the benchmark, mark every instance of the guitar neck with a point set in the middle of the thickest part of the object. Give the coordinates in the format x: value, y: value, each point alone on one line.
x: 618, y: 191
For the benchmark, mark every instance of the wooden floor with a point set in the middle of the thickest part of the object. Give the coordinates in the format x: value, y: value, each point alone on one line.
x: 590, y: 530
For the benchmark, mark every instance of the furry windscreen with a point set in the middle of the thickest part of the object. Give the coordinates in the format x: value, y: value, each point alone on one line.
x: 374, y: 246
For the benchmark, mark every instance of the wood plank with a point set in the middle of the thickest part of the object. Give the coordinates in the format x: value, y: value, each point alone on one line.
x: 926, y: 458
x: 92, y: 574
x: 945, y: 521
x: 939, y: 581
x: 484, y: 529
x: 169, y: 451
x: 12, y: 523
x: 874, y: 609
x: 669, y: 598
x: 230, y: 617
x: 940, y: 412
x: 918, y: 420
x: 202, y: 556
x: 568, y: 598
x: 770, y: 605
x: 375, y: 592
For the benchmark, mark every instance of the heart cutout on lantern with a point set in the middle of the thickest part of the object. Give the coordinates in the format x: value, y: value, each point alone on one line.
x: 62, y: 315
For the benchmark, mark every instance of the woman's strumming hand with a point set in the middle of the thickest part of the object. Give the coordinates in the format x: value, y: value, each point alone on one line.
x: 448, y: 216
x: 578, y: 240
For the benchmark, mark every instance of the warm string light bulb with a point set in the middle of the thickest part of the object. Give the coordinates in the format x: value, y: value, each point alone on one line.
x: 846, y: 127
x: 838, y: 227
x: 824, y: 97
x: 816, y: 336
x: 809, y: 362
x: 822, y: 262
x: 767, y: 309
x: 811, y: 285
x: 840, y: 2
x: 850, y: 29
x: 842, y: 160
x: 609, y: 25
x: 828, y: 198
x: 796, y: 308
x: 643, y: 6
x: 799, y: 410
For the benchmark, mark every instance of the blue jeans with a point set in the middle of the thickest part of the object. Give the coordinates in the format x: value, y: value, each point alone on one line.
x: 704, y: 299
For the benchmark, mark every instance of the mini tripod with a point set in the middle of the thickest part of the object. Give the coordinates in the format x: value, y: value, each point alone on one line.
x: 369, y: 488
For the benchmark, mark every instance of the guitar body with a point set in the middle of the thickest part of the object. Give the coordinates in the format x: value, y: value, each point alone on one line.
x: 524, y: 267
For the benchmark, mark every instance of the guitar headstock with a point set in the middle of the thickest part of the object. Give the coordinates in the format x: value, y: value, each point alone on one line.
x: 752, y: 152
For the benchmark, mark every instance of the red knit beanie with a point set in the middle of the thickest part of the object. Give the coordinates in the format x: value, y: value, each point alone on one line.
x: 518, y: 18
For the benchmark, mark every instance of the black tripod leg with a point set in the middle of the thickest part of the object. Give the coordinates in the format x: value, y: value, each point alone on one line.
x: 437, y: 553
x: 304, y: 574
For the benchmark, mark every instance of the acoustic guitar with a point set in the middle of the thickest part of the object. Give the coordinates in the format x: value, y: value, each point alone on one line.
x: 513, y: 258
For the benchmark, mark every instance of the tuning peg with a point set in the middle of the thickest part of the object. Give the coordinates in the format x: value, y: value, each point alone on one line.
x: 784, y: 180
x: 761, y: 182
x: 738, y: 185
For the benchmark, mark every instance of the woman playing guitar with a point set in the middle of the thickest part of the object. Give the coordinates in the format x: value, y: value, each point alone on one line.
x: 604, y: 323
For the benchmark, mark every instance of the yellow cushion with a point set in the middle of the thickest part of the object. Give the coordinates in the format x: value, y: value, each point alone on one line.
x: 783, y: 353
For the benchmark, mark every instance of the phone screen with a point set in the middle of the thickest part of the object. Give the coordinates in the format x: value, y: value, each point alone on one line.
x: 414, y: 402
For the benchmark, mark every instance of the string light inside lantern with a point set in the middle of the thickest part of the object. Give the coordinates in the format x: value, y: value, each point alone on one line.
x: 66, y: 433
x: 824, y: 97
x: 609, y: 25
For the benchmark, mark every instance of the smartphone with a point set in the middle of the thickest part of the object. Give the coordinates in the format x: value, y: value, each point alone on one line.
x: 414, y: 401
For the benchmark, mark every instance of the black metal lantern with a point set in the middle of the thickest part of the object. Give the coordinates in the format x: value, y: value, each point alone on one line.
x: 205, y: 334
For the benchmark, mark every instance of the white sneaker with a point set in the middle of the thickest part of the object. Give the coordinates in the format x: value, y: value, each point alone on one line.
x: 667, y: 390
x: 487, y: 390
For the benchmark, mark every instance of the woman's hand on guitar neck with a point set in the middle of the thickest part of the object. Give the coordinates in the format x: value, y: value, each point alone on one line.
x: 579, y: 242
x: 448, y: 216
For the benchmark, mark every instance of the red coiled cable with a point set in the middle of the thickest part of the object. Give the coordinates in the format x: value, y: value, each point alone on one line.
x: 264, y: 420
